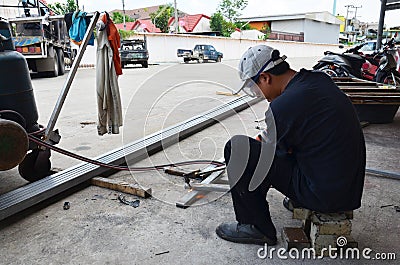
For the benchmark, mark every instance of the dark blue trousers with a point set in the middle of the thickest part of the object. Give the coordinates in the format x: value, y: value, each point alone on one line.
x: 251, y: 207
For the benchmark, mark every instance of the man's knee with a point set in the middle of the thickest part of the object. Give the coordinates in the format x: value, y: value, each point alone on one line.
x: 228, y: 145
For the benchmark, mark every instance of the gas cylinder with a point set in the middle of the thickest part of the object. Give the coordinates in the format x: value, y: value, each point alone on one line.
x: 18, y: 113
x: 16, y: 92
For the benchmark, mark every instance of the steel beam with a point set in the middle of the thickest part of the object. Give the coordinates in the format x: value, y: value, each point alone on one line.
x: 38, y: 191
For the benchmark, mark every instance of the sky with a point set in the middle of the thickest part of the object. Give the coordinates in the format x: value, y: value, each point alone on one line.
x: 368, y: 11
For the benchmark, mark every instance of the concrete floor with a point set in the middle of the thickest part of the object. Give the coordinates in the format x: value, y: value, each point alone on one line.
x: 98, y: 229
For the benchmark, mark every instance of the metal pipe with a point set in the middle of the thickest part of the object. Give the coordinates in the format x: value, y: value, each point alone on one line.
x: 176, y: 18
x: 70, y: 78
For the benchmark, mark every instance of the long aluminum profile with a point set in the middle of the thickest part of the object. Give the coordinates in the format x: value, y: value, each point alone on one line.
x: 27, y: 196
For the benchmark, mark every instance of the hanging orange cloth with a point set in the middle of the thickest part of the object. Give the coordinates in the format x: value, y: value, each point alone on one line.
x: 115, y: 41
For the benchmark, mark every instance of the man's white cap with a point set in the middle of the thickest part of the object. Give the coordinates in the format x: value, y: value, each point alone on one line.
x: 254, y: 61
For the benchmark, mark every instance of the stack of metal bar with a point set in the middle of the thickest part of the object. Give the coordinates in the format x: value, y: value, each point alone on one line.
x: 374, y: 102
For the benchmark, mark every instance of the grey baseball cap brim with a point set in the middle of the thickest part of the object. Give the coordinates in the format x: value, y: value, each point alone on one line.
x: 255, y: 60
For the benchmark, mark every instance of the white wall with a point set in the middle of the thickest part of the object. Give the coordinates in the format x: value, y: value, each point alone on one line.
x: 315, y: 31
x: 291, y: 26
x: 162, y: 47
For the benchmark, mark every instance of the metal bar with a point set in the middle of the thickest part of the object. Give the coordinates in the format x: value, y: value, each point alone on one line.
x: 381, y: 173
x: 381, y: 23
x: 393, y: 7
x: 38, y: 191
x: 193, y: 195
x: 71, y: 75
x: 210, y: 187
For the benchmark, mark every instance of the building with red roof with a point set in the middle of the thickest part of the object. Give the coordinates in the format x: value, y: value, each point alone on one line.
x: 140, y: 25
x: 191, y: 23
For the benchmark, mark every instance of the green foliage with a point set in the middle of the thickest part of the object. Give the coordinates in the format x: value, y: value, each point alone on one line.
x: 266, y: 30
x: 230, y: 9
x: 117, y: 18
x: 126, y: 34
x: 218, y: 23
x: 243, y: 25
x: 161, y: 16
x: 63, y: 8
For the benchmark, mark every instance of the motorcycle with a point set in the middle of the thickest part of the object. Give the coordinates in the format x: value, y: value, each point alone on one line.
x: 387, y: 72
x: 381, y: 66
x: 346, y: 64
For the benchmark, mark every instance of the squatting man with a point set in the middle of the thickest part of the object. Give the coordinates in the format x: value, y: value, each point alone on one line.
x: 312, y: 151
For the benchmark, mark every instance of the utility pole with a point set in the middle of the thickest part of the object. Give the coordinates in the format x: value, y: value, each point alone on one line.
x: 123, y: 10
x: 381, y: 22
x: 355, y: 14
x: 334, y: 8
x: 176, y: 18
x: 347, y: 16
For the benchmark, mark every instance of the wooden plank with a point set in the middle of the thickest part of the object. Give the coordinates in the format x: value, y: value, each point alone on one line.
x: 371, y: 90
x: 374, y: 102
x: 114, y: 184
x: 352, y: 84
x: 379, y: 94
x: 375, y: 97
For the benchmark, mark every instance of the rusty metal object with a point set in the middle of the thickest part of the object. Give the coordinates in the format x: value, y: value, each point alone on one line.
x: 14, y: 144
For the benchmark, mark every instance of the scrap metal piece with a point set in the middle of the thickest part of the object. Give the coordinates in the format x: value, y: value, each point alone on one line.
x: 66, y: 206
x: 134, y: 203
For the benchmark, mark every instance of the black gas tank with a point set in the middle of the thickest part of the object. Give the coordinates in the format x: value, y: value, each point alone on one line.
x: 16, y: 91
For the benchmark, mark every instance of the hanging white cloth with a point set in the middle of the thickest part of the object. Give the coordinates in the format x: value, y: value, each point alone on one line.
x: 108, y: 96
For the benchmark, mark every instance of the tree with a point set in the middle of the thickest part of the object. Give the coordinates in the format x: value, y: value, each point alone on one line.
x: 63, y: 8
x: 242, y: 25
x: 230, y: 9
x: 117, y: 18
x: 161, y: 16
x: 219, y: 24
x: 216, y: 22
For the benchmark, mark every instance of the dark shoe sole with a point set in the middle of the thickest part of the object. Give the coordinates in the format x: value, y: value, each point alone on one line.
x: 248, y: 240
x: 289, y: 204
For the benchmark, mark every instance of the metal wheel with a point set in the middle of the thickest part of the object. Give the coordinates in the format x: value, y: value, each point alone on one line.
x: 219, y: 59
x: 390, y: 81
x: 36, y: 165
x: 201, y: 59
x: 328, y: 71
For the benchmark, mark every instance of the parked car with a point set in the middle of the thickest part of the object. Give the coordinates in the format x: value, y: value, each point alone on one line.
x: 201, y: 53
x: 134, y: 52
